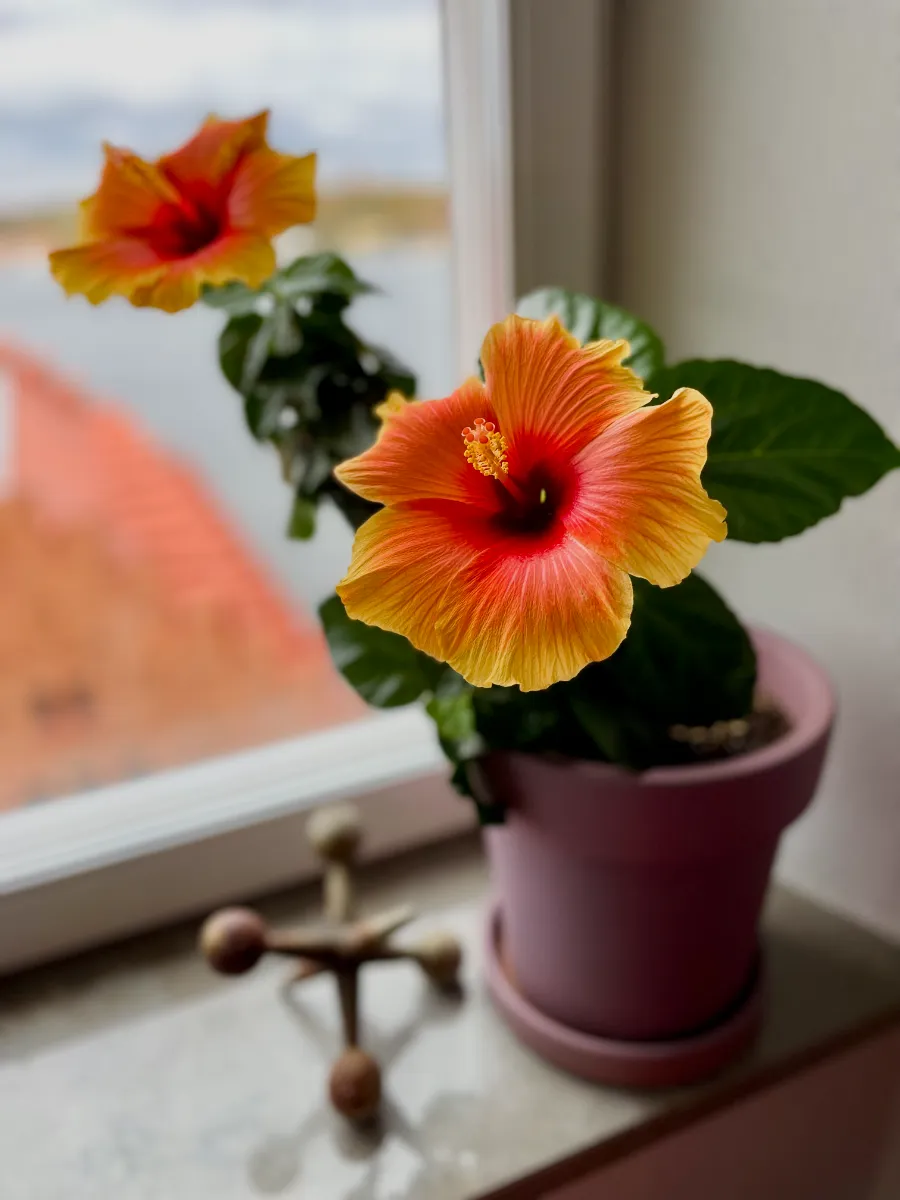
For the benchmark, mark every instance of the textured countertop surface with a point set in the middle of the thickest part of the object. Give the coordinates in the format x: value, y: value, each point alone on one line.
x: 135, y: 1074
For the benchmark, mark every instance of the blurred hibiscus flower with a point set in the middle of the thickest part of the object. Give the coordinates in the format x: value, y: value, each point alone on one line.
x: 204, y: 214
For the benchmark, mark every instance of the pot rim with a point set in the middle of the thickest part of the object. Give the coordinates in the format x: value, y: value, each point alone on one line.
x: 807, y: 727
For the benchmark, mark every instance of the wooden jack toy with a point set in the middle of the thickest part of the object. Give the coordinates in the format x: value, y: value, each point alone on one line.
x: 233, y: 940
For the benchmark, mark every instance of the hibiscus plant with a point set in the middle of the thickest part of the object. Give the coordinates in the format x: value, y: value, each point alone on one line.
x: 782, y: 454
x: 525, y: 548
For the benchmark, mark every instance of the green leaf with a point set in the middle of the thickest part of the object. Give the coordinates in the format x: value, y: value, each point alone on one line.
x: 590, y: 320
x: 286, y: 335
x: 259, y: 347
x: 531, y: 722
x: 454, y: 716
x: 509, y: 719
x: 317, y: 274
x: 235, y: 298
x: 312, y: 275
x: 616, y: 732
x: 784, y: 452
x: 686, y: 660
x: 309, y: 382
x: 233, y: 342
x: 263, y: 408
x: 383, y: 667
x: 244, y: 348
x: 302, y: 524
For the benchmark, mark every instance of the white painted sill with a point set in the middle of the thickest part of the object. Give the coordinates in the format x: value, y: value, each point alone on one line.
x: 109, y: 862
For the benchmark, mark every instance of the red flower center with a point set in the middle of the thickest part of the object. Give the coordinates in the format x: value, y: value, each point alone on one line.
x: 533, y: 493
x: 180, y: 230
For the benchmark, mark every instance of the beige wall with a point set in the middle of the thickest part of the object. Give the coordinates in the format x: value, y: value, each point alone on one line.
x: 758, y: 217
x: 560, y: 56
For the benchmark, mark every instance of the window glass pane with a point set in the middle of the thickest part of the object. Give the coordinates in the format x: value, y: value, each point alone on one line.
x: 152, y: 610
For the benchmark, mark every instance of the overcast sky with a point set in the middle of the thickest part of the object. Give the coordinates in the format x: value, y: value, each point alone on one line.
x: 357, y: 80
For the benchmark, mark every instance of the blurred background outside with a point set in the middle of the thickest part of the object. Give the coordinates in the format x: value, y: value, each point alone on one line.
x: 152, y: 610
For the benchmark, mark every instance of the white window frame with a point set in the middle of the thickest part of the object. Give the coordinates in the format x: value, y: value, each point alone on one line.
x: 106, y: 863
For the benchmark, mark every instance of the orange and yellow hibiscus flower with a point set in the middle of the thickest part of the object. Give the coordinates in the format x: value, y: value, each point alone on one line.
x: 204, y: 214
x: 516, y: 509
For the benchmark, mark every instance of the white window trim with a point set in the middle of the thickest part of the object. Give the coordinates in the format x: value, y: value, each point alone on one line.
x: 106, y: 863
x: 478, y: 82
x: 110, y: 862
x: 47, y: 842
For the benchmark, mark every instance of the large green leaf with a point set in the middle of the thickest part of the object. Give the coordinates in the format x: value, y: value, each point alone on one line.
x: 383, y: 667
x: 784, y: 452
x: 686, y: 660
x: 590, y: 320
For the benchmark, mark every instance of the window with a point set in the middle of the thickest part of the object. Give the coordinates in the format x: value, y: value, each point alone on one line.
x: 159, y: 614
x: 168, y: 703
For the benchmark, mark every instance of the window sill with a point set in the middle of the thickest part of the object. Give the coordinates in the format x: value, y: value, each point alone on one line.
x: 94, y: 867
x: 128, y: 1036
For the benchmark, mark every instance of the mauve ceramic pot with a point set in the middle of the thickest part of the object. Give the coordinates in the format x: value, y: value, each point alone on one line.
x: 630, y: 902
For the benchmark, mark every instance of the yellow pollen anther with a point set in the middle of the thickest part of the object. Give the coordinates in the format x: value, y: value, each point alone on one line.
x: 543, y: 496
x: 485, y: 448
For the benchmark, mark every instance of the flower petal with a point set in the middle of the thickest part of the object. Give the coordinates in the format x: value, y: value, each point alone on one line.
x: 108, y: 268
x: 272, y: 192
x: 547, y: 389
x: 242, y: 256
x: 539, y: 618
x: 500, y: 609
x: 213, y: 151
x: 640, y: 502
x: 419, y: 452
x: 130, y: 194
x: 405, y: 560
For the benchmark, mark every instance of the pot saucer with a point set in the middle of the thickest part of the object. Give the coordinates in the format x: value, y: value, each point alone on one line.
x: 653, y: 1064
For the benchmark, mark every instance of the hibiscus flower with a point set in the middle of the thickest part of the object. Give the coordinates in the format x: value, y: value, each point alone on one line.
x: 204, y: 214
x: 516, y: 509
